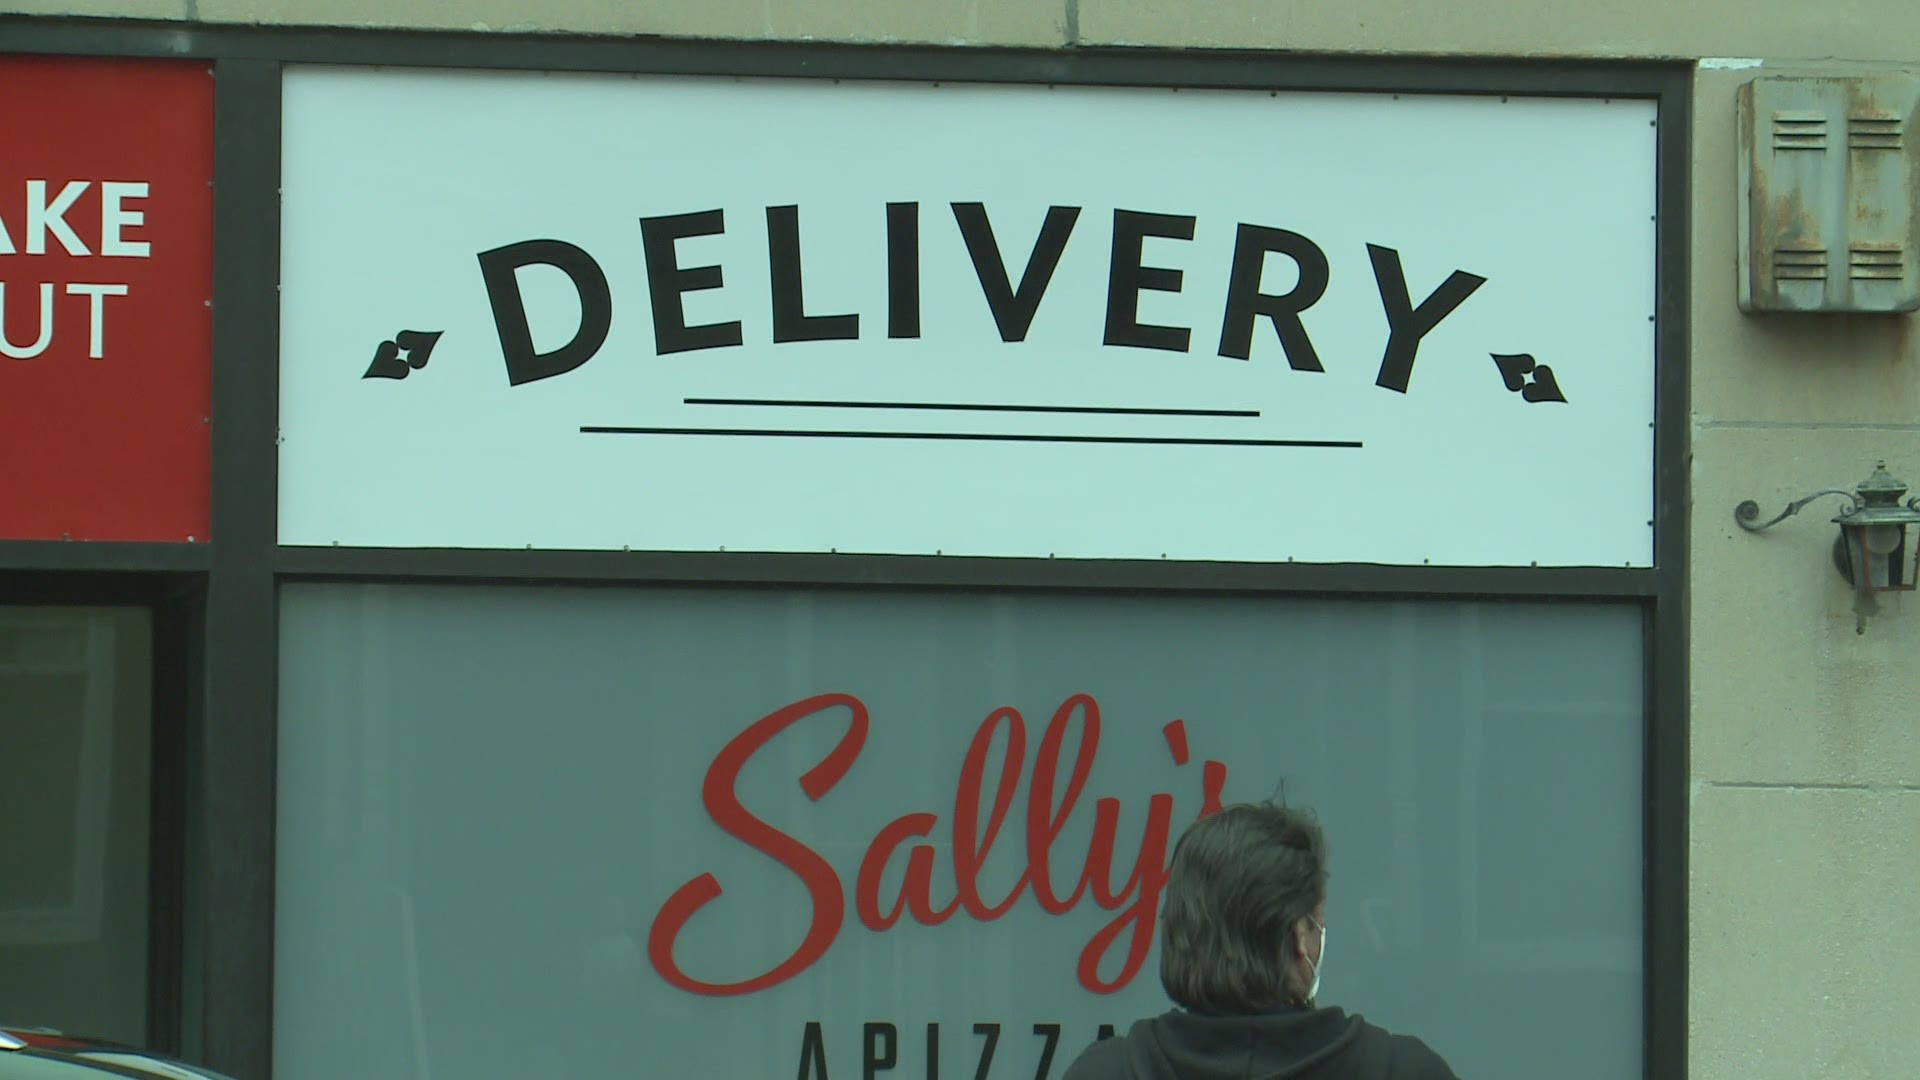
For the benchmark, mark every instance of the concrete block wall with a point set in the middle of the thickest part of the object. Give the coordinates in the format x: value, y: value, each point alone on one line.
x: 1854, y: 30
x: 971, y: 22
x: 1805, y: 736
x: 1805, y: 815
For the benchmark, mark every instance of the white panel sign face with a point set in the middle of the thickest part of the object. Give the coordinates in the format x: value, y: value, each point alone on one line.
x: 703, y: 314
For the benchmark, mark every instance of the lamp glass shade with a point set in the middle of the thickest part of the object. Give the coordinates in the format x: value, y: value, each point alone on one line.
x: 1873, y: 556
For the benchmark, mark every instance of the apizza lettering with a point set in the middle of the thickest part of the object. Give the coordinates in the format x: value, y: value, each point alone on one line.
x: 1051, y: 802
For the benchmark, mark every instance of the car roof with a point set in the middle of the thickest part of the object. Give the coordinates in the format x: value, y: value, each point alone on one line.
x: 51, y: 1050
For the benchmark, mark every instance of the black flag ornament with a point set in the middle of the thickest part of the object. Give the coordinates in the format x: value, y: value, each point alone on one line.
x: 402, y: 356
x: 1514, y: 371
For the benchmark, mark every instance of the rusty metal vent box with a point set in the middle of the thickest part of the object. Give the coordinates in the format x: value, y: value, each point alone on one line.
x: 1827, y: 194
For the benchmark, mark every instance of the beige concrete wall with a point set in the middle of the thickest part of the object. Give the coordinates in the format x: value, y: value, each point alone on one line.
x: 1805, y: 735
x: 1866, y: 30
x: 972, y: 22
x: 123, y: 9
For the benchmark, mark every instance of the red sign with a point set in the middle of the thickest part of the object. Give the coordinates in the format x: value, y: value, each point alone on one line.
x: 1049, y: 804
x: 106, y: 236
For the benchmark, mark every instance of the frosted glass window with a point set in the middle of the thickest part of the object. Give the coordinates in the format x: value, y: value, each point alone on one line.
x: 499, y: 808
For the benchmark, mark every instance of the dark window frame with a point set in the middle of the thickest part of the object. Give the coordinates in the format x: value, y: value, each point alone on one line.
x: 226, y: 607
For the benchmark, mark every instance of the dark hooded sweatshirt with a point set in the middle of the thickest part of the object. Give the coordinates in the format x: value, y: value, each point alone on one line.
x: 1318, y: 1044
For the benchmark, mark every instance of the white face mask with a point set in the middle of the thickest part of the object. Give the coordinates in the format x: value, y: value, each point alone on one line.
x: 1314, y: 990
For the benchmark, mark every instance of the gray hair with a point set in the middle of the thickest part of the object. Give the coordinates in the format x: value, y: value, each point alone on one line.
x: 1241, y: 880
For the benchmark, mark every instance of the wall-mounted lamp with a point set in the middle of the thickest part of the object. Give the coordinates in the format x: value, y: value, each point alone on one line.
x: 1871, y: 551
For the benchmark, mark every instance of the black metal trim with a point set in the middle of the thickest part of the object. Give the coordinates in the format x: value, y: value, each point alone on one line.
x: 90, y: 555
x: 947, y: 571
x: 176, y: 637
x: 1119, y: 66
x: 1667, y: 732
x: 91, y: 587
x: 236, y: 776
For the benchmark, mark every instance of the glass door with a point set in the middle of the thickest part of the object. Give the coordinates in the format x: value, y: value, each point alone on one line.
x: 76, y: 757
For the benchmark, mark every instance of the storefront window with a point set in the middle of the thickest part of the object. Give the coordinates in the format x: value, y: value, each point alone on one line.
x: 75, y: 765
x: 504, y: 813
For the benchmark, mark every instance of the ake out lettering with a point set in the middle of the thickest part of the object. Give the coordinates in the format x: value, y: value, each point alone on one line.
x: 1013, y: 304
x: 45, y: 215
x: 1050, y: 803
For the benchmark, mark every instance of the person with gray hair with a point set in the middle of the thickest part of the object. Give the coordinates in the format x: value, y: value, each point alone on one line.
x: 1243, y: 938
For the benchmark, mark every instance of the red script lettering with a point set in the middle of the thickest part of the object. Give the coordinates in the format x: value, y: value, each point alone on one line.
x: 1050, y: 806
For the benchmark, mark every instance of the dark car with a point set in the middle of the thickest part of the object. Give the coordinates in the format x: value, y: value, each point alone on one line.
x: 40, y: 1054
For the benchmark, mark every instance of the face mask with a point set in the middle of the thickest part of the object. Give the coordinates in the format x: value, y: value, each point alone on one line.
x: 1314, y: 990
